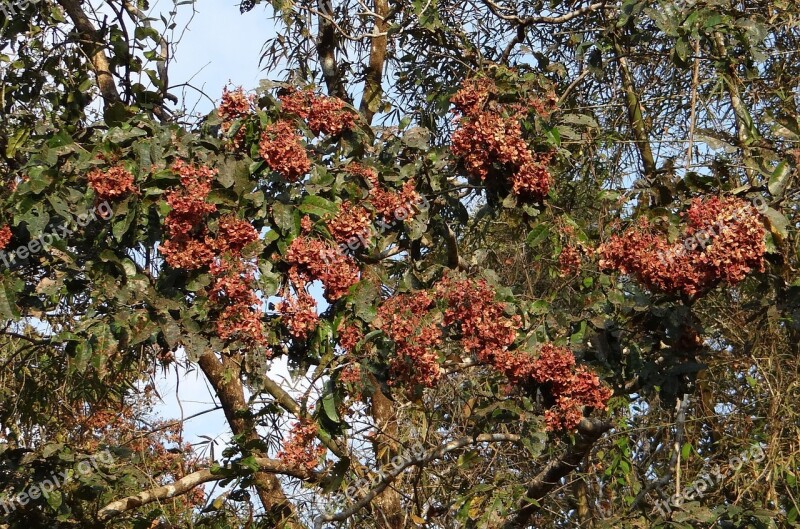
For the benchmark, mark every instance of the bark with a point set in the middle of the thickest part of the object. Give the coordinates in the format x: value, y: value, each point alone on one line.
x: 635, y: 116
x: 589, y: 431
x: 224, y: 378
x: 184, y: 485
x: 92, y: 46
x: 388, y: 502
x: 373, y: 89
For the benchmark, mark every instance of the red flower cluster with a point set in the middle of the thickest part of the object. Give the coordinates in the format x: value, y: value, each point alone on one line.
x: 301, y: 449
x: 405, y: 318
x: 351, y: 221
x: 280, y: 147
x: 234, y: 234
x: 233, y: 291
x: 349, y: 336
x: 389, y: 204
x: 486, y: 139
x: 234, y: 105
x: 351, y: 374
x: 300, y: 313
x: 569, y: 260
x: 724, y: 241
x: 485, y: 329
x: 572, y: 388
x: 189, y: 246
x: 112, y: 184
x: 313, y: 259
x: 5, y: 236
x: 323, y: 114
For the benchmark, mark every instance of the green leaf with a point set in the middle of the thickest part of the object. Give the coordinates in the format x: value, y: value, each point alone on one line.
x: 329, y: 407
x: 538, y: 234
x: 16, y: 141
x: 779, y: 179
x: 316, y: 205
x: 364, y: 295
x: 336, y: 476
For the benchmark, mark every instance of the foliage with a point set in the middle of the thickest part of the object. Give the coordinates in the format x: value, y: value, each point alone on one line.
x: 492, y: 199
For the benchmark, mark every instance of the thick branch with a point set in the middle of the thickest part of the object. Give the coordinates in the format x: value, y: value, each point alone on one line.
x: 326, y: 50
x: 224, y: 378
x: 93, y: 48
x: 589, y: 431
x: 373, y: 90
x: 188, y: 483
x: 286, y: 402
x: 635, y: 116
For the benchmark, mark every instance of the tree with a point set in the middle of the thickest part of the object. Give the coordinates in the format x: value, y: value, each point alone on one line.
x: 556, y: 247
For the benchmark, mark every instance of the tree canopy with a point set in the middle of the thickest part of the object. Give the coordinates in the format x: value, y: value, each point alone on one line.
x: 532, y: 264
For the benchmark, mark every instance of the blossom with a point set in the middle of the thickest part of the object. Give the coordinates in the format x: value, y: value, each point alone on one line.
x: 112, y: 184
x: 572, y: 388
x: 234, y: 234
x: 234, y: 105
x: 324, y: 114
x: 281, y: 149
x: 405, y: 318
x: 569, y: 260
x: 349, y: 335
x: 313, y: 259
x: 300, y: 449
x: 5, y: 236
x: 723, y: 241
x: 232, y: 292
x: 485, y: 329
x: 299, y: 314
x: 351, y: 221
x: 486, y: 141
x: 189, y: 246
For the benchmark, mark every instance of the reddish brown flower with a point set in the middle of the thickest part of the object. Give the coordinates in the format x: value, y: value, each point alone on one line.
x: 299, y: 313
x: 234, y: 234
x: 351, y: 221
x: 313, y: 259
x: 723, y: 241
x: 405, y: 318
x: 5, y: 236
x: 112, y: 184
x: 301, y: 449
x: 280, y: 147
x: 233, y: 293
x: 189, y: 246
x: 324, y: 114
x: 489, y: 143
x: 234, y: 105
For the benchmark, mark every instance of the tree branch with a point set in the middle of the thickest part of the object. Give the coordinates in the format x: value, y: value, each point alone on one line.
x: 391, y: 476
x: 373, y: 89
x: 93, y: 49
x: 223, y: 374
x: 589, y: 431
x: 527, y: 21
x: 635, y: 116
x: 188, y: 483
x: 326, y: 50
